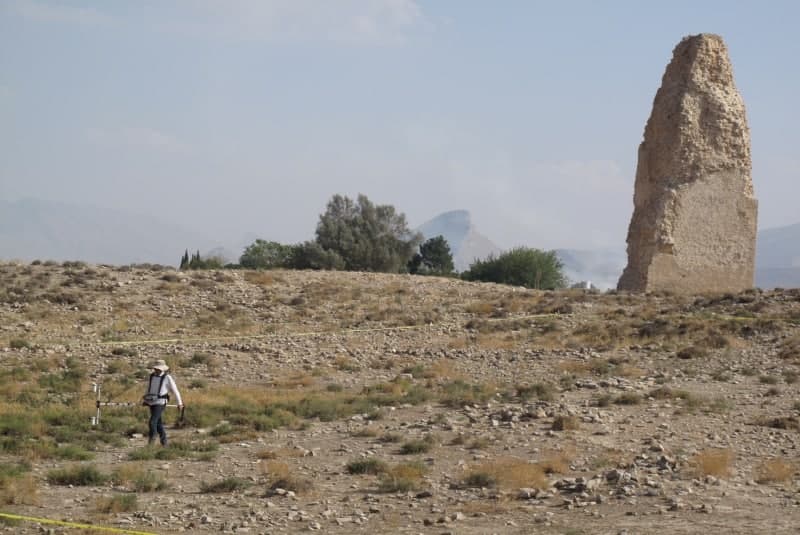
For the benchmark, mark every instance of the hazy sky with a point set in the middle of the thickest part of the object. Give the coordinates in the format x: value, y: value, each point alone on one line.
x: 246, y: 116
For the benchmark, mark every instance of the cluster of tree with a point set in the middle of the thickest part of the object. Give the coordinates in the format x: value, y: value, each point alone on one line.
x: 361, y: 236
x: 351, y: 235
x: 195, y: 262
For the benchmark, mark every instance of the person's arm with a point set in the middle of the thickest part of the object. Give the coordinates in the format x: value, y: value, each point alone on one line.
x: 174, y: 387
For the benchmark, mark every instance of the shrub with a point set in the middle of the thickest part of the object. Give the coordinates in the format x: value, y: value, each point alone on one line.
x: 604, y: 400
x: 149, y: 481
x: 263, y: 254
x: 692, y: 352
x: 138, y: 478
x: 311, y: 255
x: 79, y: 476
x: 413, y: 447
x: 229, y: 484
x: 124, y: 351
x: 480, y: 479
x: 459, y: 393
x: 199, y: 359
x: 176, y: 450
x: 119, y: 503
x: 73, y: 453
x: 628, y: 398
x: 367, y: 466
x: 19, y: 343
x: 790, y: 349
x: 522, y: 266
x: 222, y: 429
x: 780, y: 422
x: 388, y: 438
x: 478, y: 443
x: 541, y: 391
x: 345, y: 364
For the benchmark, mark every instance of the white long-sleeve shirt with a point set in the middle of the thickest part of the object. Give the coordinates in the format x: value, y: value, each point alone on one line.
x: 167, y: 385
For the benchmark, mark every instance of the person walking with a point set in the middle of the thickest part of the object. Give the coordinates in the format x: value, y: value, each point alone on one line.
x: 159, y: 386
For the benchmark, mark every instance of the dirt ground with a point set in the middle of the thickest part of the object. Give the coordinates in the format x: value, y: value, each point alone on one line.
x: 504, y: 410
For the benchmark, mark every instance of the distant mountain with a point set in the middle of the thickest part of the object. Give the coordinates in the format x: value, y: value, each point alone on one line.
x: 778, y: 257
x: 35, y: 229
x: 466, y: 243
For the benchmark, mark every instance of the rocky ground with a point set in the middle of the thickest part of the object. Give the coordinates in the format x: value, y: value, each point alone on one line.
x: 501, y: 410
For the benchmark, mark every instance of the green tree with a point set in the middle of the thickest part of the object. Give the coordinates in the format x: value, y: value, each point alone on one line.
x: 262, y: 254
x: 185, y: 260
x: 366, y: 236
x: 434, y: 258
x: 521, y: 266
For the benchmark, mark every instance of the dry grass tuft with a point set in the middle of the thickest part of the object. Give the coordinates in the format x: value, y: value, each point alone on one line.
x: 20, y: 490
x: 442, y: 369
x: 458, y: 342
x: 402, y: 477
x: 557, y: 462
x: 774, y: 471
x: 482, y: 507
x: 712, y: 462
x: 294, y: 380
x: 507, y: 473
x: 368, y: 431
x: 496, y: 341
x: 480, y: 308
x: 565, y: 423
x: 279, y: 453
x: 790, y: 349
x: 280, y: 476
x: 345, y: 364
x: 119, y: 503
x: 262, y: 278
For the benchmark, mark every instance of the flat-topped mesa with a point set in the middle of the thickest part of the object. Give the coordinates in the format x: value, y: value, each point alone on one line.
x: 694, y: 221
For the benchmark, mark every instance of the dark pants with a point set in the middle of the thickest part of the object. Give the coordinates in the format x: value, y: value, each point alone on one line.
x: 156, y: 425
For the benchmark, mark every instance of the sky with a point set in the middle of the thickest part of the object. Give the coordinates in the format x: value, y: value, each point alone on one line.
x: 244, y: 117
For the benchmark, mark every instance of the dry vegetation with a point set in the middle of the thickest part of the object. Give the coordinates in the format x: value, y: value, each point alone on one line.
x: 355, y: 402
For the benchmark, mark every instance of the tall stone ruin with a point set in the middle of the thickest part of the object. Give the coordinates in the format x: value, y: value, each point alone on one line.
x: 694, y: 221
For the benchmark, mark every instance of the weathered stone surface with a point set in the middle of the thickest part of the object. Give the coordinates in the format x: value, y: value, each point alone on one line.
x: 694, y: 222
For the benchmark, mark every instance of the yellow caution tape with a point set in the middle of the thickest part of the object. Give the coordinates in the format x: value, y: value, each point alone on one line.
x: 74, y: 525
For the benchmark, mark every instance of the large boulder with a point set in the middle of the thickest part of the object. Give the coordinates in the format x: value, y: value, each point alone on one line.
x: 694, y: 222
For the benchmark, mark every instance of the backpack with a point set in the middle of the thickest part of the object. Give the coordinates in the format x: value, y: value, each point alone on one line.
x: 153, y: 399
